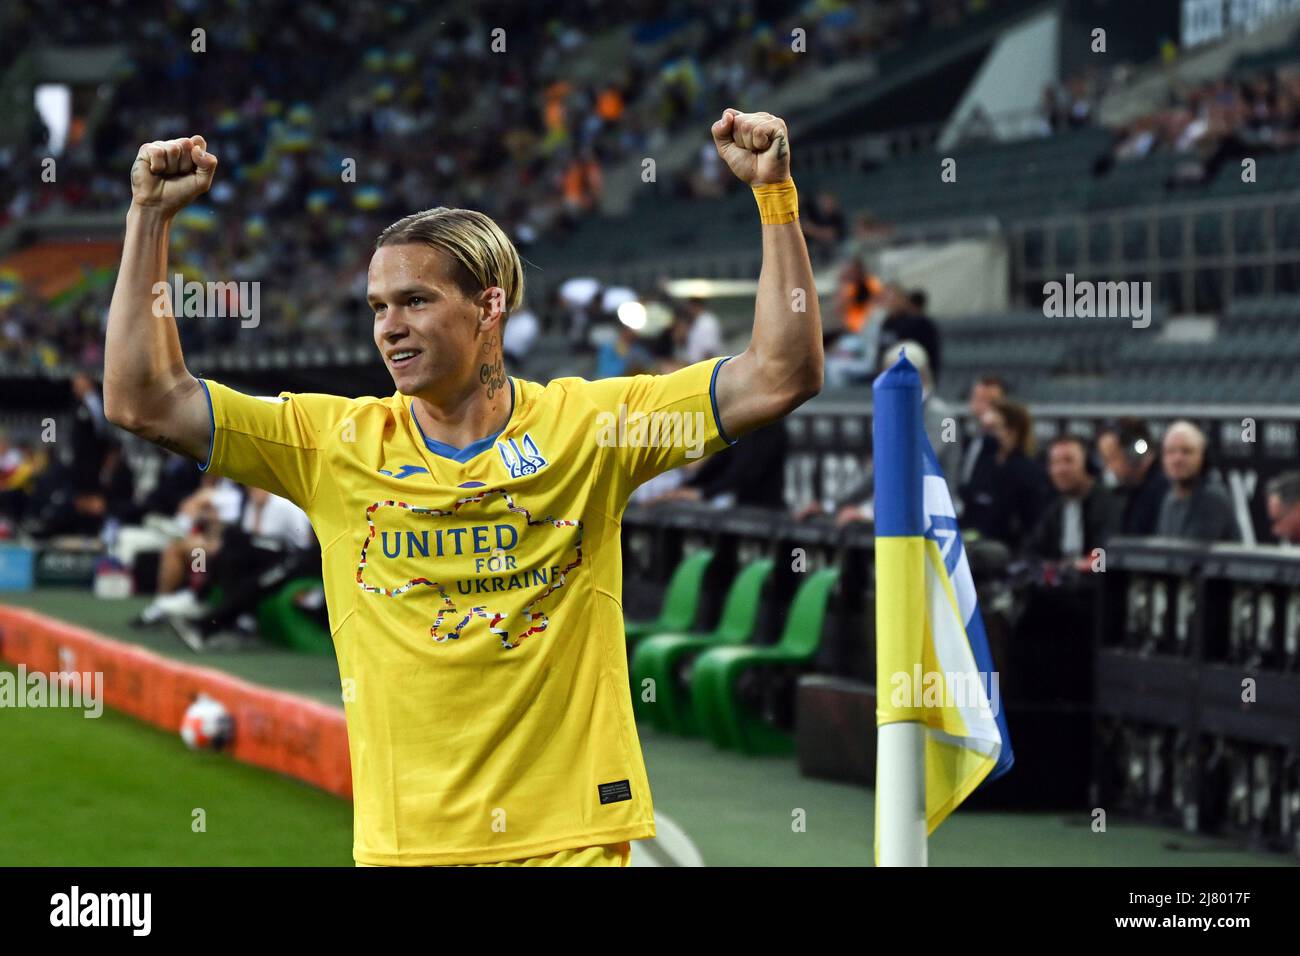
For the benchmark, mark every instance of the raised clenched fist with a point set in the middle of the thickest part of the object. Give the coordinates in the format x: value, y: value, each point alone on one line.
x: 168, y: 175
x: 755, y: 145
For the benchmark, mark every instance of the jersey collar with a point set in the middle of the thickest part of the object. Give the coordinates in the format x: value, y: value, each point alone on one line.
x: 444, y: 450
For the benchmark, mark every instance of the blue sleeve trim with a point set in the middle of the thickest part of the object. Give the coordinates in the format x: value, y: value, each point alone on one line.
x: 713, y: 400
x: 212, y: 438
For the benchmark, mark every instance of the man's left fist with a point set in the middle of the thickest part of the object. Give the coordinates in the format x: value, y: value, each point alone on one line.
x: 755, y: 146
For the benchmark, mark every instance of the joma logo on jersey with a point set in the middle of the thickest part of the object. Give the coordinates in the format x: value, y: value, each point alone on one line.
x: 521, y: 464
x: 406, y: 471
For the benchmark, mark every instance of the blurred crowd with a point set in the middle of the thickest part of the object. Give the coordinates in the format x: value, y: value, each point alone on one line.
x: 329, y: 129
x: 1218, y: 121
x: 1205, y: 124
x: 222, y: 547
x: 1050, y: 507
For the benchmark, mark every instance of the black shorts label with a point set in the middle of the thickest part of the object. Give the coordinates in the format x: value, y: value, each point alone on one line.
x: 615, y: 792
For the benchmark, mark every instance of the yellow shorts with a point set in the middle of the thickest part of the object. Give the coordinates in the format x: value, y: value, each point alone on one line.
x: 613, y: 854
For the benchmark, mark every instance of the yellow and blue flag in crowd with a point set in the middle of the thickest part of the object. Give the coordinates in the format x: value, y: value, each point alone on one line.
x: 933, y: 664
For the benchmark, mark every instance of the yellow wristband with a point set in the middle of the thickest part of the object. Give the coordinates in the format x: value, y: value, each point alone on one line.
x: 778, y: 203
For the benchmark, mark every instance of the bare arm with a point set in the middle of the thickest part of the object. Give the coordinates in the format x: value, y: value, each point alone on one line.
x: 782, y: 367
x: 147, y: 388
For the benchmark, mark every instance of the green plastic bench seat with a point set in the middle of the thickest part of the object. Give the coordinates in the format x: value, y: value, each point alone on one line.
x: 681, y: 600
x: 721, y: 716
x: 658, y: 656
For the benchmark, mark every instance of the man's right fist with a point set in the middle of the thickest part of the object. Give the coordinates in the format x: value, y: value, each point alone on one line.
x: 168, y: 175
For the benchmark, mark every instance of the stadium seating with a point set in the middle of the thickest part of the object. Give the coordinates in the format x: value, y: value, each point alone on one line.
x: 681, y: 601
x: 658, y: 657
x: 724, y: 710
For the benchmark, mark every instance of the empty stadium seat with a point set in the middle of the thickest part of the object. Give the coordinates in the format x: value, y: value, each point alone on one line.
x: 658, y: 656
x: 724, y: 717
x: 681, y: 600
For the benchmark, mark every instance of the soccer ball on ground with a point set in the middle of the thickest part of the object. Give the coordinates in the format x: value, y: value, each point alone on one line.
x: 207, y: 725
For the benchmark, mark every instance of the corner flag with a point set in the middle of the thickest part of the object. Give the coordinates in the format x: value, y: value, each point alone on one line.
x: 940, y: 726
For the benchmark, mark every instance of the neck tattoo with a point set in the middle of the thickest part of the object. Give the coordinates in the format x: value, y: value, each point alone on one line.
x: 493, y: 375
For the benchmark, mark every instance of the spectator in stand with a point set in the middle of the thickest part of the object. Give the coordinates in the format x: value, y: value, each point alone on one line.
x: 623, y: 353
x: 1011, y: 507
x: 750, y: 473
x: 114, y: 495
x: 1127, y: 452
x: 578, y: 302
x: 90, y: 434
x: 852, y: 358
x: 273, y: 543
x: 1082, y: 515
x: 197, y: 534
x: 1193, y: 508
x: 907, y: 321
x: 858, y: 292
x: 980, y: 456
x: 518, y: 336
x: 11, y: 457
x: 583, y: 184
x: 824, y: 225
x: 21, y: 467
x: 703, y: 333
x: 1284, y: 507
x: 868, y: 234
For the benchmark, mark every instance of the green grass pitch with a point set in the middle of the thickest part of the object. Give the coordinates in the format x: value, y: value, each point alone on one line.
x: 112, y: 791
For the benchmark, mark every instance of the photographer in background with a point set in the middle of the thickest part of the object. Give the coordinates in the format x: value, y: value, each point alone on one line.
x: 1082, y: 515
x: 1127, y: 451
x: 273, y: 543
x: 1194, y: 509
x: 1009, y: 509
x: 1284, y: 508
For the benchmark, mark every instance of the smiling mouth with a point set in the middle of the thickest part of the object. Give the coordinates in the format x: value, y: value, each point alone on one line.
x: 402, y: 359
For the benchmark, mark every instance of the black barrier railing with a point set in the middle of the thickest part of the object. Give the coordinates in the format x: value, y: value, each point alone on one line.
x: 1198, y: 689
x: 1165, y: 687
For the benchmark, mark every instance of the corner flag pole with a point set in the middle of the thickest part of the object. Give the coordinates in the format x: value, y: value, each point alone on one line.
x: 900, y: 795
x: 897, y: 425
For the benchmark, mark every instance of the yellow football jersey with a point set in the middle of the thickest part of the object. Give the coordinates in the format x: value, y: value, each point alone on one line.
x: 475, y: 604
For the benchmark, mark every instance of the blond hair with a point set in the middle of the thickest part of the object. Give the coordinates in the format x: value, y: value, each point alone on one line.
x: 483, y: 256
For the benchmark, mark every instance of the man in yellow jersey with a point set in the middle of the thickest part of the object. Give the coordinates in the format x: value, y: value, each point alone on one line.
x: 469, y: 522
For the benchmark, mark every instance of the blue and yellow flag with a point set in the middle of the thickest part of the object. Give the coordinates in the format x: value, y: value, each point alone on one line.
x: 933, y: 664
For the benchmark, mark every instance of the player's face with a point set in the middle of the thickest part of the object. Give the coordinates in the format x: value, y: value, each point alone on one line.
x: 428, y: 332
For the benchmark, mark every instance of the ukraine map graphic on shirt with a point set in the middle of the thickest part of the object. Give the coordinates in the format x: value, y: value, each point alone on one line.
x: 474, y: 600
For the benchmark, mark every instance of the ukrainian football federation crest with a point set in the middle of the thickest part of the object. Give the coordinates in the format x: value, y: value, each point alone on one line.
x: 519, y: 463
